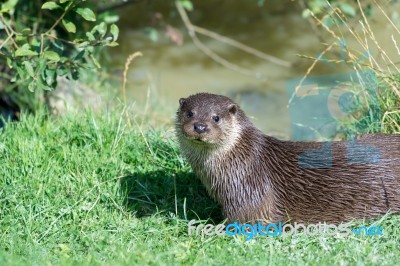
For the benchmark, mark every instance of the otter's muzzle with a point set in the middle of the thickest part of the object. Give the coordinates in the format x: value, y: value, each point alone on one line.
x: 200, y: 128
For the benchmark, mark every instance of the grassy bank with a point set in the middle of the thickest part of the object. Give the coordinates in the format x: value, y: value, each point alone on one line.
x: 96, y: 190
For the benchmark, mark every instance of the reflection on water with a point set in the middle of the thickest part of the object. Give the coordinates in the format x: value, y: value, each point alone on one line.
x: 172, y: 72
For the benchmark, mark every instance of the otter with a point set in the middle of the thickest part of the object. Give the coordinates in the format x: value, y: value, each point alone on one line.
x: 255, y: 177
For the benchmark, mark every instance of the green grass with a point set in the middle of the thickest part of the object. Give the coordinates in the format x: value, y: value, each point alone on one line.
x: 95, y: 190
x: 382, y: 115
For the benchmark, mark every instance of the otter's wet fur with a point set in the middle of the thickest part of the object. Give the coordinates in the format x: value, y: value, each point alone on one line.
x: 257, y: 177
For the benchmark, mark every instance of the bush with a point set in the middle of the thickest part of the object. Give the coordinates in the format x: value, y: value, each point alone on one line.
x: 42, y: 41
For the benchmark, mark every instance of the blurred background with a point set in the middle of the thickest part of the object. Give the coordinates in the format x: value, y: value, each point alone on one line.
x: 247, y: 50
x: 173, y: 66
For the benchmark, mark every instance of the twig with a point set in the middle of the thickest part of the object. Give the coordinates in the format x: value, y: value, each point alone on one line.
x: 205, y: 49
x: 60, y: 18
x: 10, y: 32
x: 192, y: 29
x: 6, y: 41
x: 41, y: 43
x: 223, y: 61
x: 242, y: 46
x: 7, y: 27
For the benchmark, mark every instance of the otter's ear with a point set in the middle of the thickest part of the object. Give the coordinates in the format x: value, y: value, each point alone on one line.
x: 182, y: 101
x: 233, y: 109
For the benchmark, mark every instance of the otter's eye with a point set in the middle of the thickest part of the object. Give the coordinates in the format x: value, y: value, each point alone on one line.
x: 189, y: 114
x: 215, y: 118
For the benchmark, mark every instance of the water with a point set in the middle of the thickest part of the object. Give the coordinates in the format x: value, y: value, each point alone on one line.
x: 170, y: 71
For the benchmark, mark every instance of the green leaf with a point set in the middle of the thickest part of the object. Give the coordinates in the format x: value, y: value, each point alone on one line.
x: 50, y: 5
x: 110, y: 18
x: 97, y: 64
x: 32, y: 86
x: 51, y: 55
x: 64, y: 59
x: 69, y: 26
x: 42, y: 65
x: 36, y: 43
x: 23, y: 51
x: 86, y: 13
x: 61, y: 71
x: 9, y: 62
x: 80, y: 55
x: 74, y: 74
x: 112, y: 44
x: 26, y: 31
x: 187, y: 4
x: 348, y: 9
x: 40, y: 84
x: 29, y: 68
x: 89, y: 49
x: 306, y: 13
x: 101, y: 29
x: 58, y: 46
x: 87, y: 66
x: 83, y: 45
x: 10, y: 6
x: 50, y: 77
x: 114, y: 31
x: 21, y: 39
x: 90, y: 36
x: 20, y: 72
x: 64, y: 1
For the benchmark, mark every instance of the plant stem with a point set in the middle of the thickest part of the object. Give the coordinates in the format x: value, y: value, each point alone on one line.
x: 10, y: 32
x: 60, y: 18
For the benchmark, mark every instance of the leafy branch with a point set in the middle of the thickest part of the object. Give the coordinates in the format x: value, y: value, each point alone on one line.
x: 55, y: 49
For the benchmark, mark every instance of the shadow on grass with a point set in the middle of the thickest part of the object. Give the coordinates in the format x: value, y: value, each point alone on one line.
x: 152, y: 192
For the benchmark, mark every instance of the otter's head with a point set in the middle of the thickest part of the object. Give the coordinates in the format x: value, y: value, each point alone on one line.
x: 208, y: 120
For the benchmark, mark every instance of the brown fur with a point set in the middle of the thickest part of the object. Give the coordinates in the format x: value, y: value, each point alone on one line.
x: 257, y: 177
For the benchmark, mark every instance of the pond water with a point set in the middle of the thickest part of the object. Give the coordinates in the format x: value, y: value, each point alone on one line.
x: 170, y: 71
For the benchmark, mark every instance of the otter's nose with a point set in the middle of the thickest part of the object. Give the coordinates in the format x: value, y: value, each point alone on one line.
x: 200, y: 128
